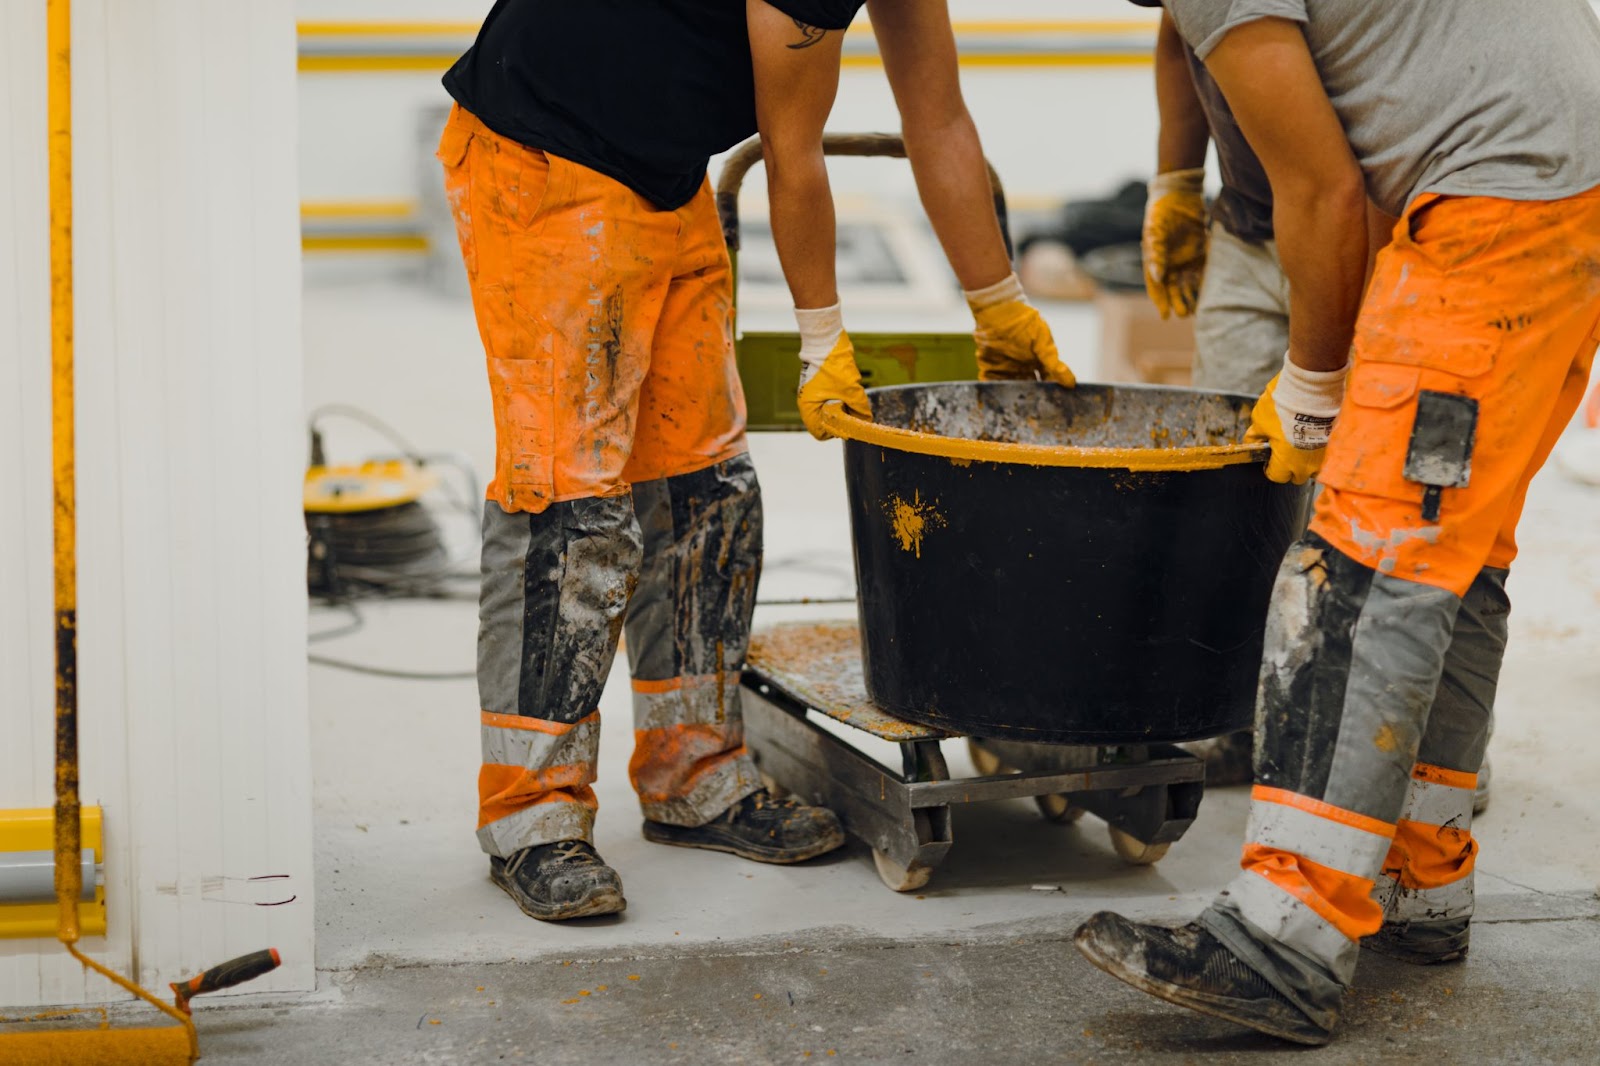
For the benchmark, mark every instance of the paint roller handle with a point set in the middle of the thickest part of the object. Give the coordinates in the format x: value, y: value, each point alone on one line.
x: 227, y: 975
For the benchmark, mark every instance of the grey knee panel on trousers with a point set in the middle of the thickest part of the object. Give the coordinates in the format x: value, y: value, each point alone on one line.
x: 1457, y: 734
x: 1353, y: 659
x: 555, y: 587
x: 691, y: 613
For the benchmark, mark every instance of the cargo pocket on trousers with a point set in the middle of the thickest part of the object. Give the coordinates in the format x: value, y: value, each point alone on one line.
x: 515, y: 182
x: 1367, y: 454
x: 524, y: 407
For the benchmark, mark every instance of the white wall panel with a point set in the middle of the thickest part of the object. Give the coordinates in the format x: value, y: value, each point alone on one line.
x: 192, y: 625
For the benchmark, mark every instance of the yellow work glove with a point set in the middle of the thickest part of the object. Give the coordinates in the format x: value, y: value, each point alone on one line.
x: 1174, y: 241
x: 1014, y: 341
x: 1295, y: 415
x: 836, y: 379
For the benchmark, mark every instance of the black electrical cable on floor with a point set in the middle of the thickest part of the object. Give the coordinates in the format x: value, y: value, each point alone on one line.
x: 383, y: 671
x: 399, y: 552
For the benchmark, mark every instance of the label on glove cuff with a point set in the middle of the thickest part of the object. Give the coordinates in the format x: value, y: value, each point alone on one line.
x: 1310, y: 432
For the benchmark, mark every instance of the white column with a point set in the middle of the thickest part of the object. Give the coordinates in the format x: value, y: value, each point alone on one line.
x: 190, y: 450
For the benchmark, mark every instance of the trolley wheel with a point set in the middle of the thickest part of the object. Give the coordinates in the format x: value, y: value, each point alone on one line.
x: 900, y: 878
x: 986, y: 762
x: 1132, y: 851
x: 1058, y: 808
x: 774, y: 789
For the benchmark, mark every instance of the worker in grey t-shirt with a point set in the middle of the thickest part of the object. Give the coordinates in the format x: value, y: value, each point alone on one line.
x: 1450, y: 148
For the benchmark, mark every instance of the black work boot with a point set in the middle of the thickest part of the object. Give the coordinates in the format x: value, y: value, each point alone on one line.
x: 1422, y: 943
x: 1190, y: 967
x: 554, y: 882
x: 759, y: 827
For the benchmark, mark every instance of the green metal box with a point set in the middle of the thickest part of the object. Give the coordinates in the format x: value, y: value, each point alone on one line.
x: 769, y: 366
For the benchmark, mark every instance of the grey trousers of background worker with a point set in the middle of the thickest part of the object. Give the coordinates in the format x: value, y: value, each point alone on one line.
x: 1241, y: 325
x: 1241, y: 332
x: 678, y: 559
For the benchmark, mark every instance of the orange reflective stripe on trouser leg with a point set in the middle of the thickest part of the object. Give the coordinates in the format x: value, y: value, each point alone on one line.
x: 1307, y: 872
x: 1430, y: 867
x: 534, y: 783
x: 1320, y: 860
x: 689, y: 759
x: 1480, y: 298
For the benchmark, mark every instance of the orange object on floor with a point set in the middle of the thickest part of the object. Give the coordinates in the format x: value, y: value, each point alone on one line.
x: 607, y: 322
x: 1495, y: 300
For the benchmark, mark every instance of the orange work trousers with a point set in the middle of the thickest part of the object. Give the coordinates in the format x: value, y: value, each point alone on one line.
x: 607, y: 322
x: 622, y: 491
x: 1494, y: 300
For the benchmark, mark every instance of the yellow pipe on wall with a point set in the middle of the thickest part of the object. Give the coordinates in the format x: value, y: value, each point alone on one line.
x: 171, y: 1044
x: 69, y: 881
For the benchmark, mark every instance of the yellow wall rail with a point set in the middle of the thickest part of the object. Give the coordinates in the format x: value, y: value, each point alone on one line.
x: 431, y: 47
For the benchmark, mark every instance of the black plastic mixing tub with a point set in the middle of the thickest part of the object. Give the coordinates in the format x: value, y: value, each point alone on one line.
x: 1085, y: 566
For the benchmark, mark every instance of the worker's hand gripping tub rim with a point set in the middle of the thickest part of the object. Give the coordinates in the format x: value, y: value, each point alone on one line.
x: 834, y: 385
x: 1294, y: 417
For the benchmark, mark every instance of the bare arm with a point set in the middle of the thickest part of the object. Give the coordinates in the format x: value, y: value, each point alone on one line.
x: 797, y: 78
x: 919, y: 55
x: 1320, y: 202
x: 1184, y: 134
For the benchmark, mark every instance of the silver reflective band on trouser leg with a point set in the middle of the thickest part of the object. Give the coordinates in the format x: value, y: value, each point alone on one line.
x: 1320, y: 840
x: 542, y: 823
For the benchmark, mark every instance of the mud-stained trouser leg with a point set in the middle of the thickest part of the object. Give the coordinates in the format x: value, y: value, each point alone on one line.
x: 1426, y: 888
x: 555, y: 586
x: 688, y: 629
x: 1352, y: 660
x: 1470, y: 355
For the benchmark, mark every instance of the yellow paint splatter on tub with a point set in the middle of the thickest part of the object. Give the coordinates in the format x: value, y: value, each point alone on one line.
x: 911, y: 520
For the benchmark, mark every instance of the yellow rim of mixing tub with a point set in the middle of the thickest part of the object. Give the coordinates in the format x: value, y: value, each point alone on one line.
x: 1208, y: 457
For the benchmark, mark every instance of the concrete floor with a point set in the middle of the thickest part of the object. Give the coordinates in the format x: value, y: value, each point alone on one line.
x: 423, y: 960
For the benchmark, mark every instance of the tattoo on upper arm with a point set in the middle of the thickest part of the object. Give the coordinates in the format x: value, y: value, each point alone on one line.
x: 811, y: 34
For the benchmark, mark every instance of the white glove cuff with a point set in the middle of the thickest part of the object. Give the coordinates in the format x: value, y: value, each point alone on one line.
x: 1308, y: 402
x: 998, y: 293
x: 1192, y: 181
x: 1319, y: 393
x: 820, y: 329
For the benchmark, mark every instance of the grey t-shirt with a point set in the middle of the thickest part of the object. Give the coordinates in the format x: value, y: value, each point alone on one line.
x: 1466, y: 97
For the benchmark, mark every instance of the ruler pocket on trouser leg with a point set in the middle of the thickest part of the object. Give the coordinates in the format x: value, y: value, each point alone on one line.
x: 1440, y: 453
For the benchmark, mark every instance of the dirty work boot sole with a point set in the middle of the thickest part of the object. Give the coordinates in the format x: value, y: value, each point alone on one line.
x: 599, y: 902
x: 716, y: 837
x: 1121, y: 949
